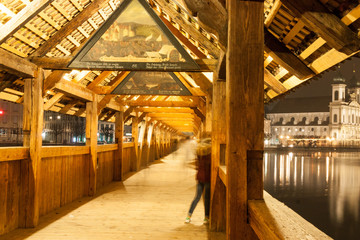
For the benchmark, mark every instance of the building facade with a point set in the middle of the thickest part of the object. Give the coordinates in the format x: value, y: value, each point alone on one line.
x: 11, y: 126
x: 319, y: 121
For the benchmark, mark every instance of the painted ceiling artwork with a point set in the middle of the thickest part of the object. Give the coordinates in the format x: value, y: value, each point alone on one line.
x: 151, y: 83
x: 134, y: 38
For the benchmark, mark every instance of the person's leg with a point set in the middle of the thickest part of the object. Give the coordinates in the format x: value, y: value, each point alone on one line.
x: 207, y: 199
x: 199, y: 190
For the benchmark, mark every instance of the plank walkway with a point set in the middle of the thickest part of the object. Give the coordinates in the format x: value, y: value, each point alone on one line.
x: 151, y: 204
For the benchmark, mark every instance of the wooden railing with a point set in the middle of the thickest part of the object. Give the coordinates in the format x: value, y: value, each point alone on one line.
x: 64, y: 175
x: 271, y: 219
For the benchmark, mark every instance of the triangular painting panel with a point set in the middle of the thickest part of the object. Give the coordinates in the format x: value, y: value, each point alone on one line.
x: 134, y: 38
x: 151, y: 83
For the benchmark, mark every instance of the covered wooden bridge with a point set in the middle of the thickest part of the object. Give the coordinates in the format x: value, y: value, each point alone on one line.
x: 203, y: 65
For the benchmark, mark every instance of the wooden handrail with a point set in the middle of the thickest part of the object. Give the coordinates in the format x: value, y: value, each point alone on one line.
x: 107, y: 147
x: 271, y: 219
x: 19, y: 153
x: 13, y: 153
x: 59, y: 151
x: 128, y: 144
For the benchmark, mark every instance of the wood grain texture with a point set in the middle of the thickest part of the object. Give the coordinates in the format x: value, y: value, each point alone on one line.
x: 13, y: 153
x: 150, y: 204
x: 244, y: 107
x: 271, y: 219
x: 9, y: 196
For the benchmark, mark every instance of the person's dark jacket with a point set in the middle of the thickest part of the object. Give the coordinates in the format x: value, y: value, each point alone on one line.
x: 204, y: 168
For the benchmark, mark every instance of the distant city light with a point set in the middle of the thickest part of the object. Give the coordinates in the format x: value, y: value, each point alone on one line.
x: 1, y: 112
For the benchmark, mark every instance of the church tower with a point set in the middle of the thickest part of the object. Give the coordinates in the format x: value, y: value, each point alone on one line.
x: 338, y: 100
x: 354, y: 88
x: 338, y: 88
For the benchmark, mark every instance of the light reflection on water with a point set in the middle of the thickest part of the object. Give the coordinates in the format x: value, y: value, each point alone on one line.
x: 323, y: 187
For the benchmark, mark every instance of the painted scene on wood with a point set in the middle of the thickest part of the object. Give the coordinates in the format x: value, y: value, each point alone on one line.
x: 151, y: 83
x: 134, y: 39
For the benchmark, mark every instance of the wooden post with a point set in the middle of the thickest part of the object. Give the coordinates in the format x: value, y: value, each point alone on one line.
x: 218, y: 189
x: 91, y: 141
x: 30, y: 170
x: 135, y: 135
x: 27, y: 107
x: 142, y: 139
x: 208, y: 123
x: 149, y: 138
x: 119, y: 133
x: 244, y: 107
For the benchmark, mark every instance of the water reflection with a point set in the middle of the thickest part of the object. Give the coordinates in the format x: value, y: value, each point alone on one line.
x: 323, y: 187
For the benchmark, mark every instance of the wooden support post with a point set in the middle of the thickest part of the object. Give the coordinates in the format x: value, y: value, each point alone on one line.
x: 142, y: 138
x: 27, y: 112
x: 208, y: 114
x: 30, y: 169
x: 91, y: 140
x: 244, y: 107
x: 149, y: 137
x: 119, y: 133
x: 218, y: 189
x: 135, y: 135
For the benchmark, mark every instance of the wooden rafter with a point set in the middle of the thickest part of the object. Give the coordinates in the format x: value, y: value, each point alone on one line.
x: 55, y: 99
x: 327, y: 25
x: 74, y: 90
x: 186, y: 25
x: 52, y: 79
x: 24, y: 16
x: 273, y: 83
x: 16, y: 65
x: 76, y: 22
x: 285, y: 57
x: 68, y: 106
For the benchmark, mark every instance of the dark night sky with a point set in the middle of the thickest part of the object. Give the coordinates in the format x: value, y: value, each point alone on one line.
x: 322, y: 85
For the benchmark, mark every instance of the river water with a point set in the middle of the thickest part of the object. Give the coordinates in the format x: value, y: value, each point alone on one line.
x: 322, y: 186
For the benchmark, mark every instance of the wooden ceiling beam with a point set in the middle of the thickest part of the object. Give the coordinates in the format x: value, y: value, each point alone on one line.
x: 109, y: 116
x: 102, y: 103
x: 182, y: 38
x: 99, y: 79
x: 52, y: 101
x: 274, y: 10
x: 211, y: 16
x: 202, y: 81
x: 80, y: 112
x: 164, y: 110
x: 320, y: 20
x: 76, y: 22
x: 273, y: 83
x: 188, y: 27
x: 147, y: 103
x: 171, y: 115
x: 115, y: 106
x: 67, y: 108
x: 52, y: 79
x: 16, y: 65
x: 74, y: 90
x: 128, y: 111
x: 283, y: 56
x: 22, y: 17
x: 199, y: 113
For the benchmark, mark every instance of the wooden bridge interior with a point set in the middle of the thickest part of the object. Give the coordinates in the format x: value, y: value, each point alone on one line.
x: 248, y: 52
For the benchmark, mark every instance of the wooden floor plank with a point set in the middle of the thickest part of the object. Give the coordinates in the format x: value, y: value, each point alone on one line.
x: 151, y: 204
